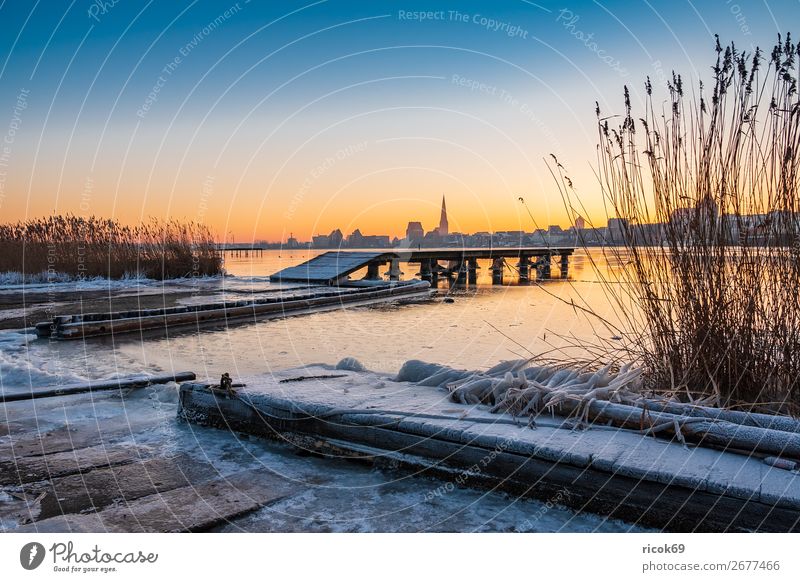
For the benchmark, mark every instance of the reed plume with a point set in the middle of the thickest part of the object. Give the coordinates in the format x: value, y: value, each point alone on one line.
x: 705, y: 192
x: 95, y: 247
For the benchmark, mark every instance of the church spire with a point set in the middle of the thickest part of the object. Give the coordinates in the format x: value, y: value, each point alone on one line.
x: 444, y: 228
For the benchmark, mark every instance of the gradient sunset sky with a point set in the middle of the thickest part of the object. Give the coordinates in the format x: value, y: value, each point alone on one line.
x: 265, y: 118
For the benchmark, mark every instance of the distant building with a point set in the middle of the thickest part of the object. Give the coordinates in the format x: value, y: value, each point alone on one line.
x: 414, y: 232
x: 682, y: 216
x: 291, y: 242
x: 360, y: 241
x: 336, y: 238
x: 708, y: 210
x: 580, y: 223
x: 617, y: 227
x: 378, y: 241
x: 444, y: 228
x: 321, y: 241
x: 355, y: 240
x: 331, y: 241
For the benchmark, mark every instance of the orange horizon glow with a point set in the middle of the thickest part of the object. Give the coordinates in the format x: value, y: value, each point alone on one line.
x: 376, y: 201
x: 388, y: 218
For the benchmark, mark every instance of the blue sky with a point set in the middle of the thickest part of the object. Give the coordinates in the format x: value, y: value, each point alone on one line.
x: 131, y: 107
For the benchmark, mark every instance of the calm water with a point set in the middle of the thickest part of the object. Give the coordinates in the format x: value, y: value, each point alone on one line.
x: 528, y: 320
x: 485, y: 324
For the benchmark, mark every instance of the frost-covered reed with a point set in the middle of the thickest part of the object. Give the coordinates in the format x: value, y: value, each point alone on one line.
x: 706, y: 184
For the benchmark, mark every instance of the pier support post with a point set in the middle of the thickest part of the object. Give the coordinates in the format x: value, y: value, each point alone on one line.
x: 425, y: 270
x: 373, y: 272
x: 498, y: 266
x: 394, y: 270
x: 524, y: 266
x: 564, y: 265
x: 472, y: 271
x: 435, y: 272
x: 543, y: 267
x: 461, y: 272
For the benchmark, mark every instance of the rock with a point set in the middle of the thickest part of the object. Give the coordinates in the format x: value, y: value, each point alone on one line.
x: 416, y: 370
x: 351, y: 365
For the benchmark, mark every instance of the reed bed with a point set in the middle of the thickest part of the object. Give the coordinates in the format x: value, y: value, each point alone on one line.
x: 78, y: 247
x: 705, y: 183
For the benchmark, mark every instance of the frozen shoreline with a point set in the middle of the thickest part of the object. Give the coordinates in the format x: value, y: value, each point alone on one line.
x: 136, y: 438
x: 365, y: 414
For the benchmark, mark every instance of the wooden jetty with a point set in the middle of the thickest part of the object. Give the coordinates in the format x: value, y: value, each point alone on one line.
x: 241, y: 250
x: 327, y: 285
x: 462, y: 264
x: 293, y: 301
x: 620, y: 473
x: 334, y: 267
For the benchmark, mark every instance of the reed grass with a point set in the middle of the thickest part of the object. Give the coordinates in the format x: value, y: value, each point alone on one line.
x: 706, y: 183
x: 48, y: 248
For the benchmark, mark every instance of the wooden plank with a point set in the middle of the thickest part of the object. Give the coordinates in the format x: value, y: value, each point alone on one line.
x: 9, y: 428
x: 101, y: 487
x: 29, y: 469
x: 192, y: 508
x: 65, y: 438
x: 97, y: 386
x: 634, y: 500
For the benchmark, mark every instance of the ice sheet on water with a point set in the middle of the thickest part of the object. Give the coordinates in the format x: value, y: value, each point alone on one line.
x: 59, y: 282
x: 13, y: 282
x: 20, y: 369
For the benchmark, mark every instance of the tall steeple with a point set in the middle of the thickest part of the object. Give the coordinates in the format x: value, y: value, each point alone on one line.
x: 444, y: 228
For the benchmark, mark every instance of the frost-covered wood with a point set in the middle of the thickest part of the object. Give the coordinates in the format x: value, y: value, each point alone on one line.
x: 97, y: 386
x: 65, y: 327
x: 368, y: 415
x: 607, y: 395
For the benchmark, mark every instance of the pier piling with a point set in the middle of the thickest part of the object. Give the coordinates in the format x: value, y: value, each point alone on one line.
x: 543, y: 267
x: 498, y: 266
x: 524, y: 266
x: 461, y: 272
x: 394, y: 270
x: 373, y: 271
x: 425, y: 271
x: 472, y: 271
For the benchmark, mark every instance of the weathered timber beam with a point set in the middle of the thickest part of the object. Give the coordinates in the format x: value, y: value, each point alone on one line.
x: 98, y: 386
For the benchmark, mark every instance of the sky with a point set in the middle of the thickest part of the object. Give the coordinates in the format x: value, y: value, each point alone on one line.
x: 263, y: 119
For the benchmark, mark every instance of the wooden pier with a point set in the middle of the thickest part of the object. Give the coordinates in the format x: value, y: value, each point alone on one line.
x: 460, y: 265
x: 292, y: 301
x: 615, y: 472
x: 335, y: 267
x: 240, y: 250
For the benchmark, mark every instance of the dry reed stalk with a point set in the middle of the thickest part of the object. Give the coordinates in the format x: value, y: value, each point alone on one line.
x: 707, y: 190
x: 94, y: 247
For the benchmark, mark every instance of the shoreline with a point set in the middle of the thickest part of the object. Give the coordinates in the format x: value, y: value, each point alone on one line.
x: 66, y: 467
x: 343, y: 413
